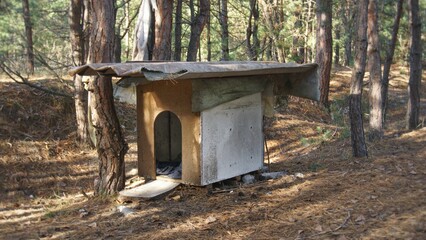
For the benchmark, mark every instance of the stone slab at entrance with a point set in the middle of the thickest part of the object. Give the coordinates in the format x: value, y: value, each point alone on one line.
x: 150, y: 190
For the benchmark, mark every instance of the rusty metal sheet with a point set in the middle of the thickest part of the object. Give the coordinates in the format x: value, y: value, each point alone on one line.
x: 155, y: 71
x: 231, y: 79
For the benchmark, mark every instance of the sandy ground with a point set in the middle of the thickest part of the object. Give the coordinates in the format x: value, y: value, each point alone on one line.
x: 46, y: 178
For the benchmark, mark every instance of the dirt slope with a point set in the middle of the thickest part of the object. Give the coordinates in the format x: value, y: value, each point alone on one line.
x: 327, y: 194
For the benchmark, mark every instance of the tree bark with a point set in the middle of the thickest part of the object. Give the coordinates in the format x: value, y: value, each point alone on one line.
x: 374, y: 67
x: 252, y: 31
x: 76, y: 21
x: 413, y: 108
x: 127, y: 35
x: 111, y: 146
x: 273, y: 12
x: 223, y: 20
x: 117, y: 46
x: 359, y: 148
x: 348, y: 16
x: 178, y: 31
x: 209, y: 41
x: 389, y: 56
x: 28, y: 36
x: 324, y: 47
x: 296, y: 53
x: 163, y: 30
x: 337, y: 48
x: 86, y: 29
x: 197, y: 25
x: 308, y: 31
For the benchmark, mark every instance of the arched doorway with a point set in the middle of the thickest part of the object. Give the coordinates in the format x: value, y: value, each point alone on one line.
x: 168, y: 145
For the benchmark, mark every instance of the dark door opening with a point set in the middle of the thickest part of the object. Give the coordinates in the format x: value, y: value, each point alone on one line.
x: 168, y: 145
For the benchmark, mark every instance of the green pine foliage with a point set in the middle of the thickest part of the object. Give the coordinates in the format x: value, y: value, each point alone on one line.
x: 288, y: 26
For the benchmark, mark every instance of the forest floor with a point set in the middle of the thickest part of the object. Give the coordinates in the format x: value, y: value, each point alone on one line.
x: 46, y: 177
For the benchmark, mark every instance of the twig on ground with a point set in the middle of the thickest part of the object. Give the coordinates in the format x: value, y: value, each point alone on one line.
x: 334, y: 230
x: 223, y: 190
x: 84, y: 194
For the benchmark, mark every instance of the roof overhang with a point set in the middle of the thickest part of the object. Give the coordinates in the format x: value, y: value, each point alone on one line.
x: 290, y: 78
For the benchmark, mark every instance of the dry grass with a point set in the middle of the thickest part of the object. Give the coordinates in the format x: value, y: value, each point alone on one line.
x: 43, y: 173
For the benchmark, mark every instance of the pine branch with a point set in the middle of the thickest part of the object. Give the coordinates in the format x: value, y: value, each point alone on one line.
x: 17, y: 77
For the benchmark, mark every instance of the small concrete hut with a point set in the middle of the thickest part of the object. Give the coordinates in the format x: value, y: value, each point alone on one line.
x: 206, y: 117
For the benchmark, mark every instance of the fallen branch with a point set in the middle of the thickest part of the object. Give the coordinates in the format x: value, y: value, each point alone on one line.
x: 23, y: 80
x: 223, y: 190
x: 44, y: 63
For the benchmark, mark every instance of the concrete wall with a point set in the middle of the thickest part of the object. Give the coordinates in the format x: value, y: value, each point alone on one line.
x: 125, y: 94
x: 232, y: 139
x: 171, y: 96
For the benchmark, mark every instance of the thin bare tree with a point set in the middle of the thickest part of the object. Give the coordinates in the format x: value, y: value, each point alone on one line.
x: 178, y: 31
x: 223, y: 20
x: 389, y: 57
x: 413, y: 108
x: 252, y: 39
x: 163, y: 30
x: 28, y: 36
x: 76, y: 21
x: 359, y: 148
x: 324, y: 47
x: 374, y: 67
x: 197, y: 25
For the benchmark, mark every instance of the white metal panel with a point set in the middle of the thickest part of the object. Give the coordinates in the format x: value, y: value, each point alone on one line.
x: 231, y: 139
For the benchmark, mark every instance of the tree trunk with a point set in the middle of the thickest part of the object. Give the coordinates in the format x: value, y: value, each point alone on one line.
x: 348, y: 51
x: 296, y: 53
x: 324, y: 47
x: 209, y: 41
x: 76, y: 21
x: 337, y: 48
x: 308, y: 31
x: 178, y: 31
x: 197, y: 25
x: 86, y: 29
x: 273, y: 12
x: 117, y: 46
x: 413, y: 108
x: 163, y: 30
x: 359, y: 148
x: 127, y: 36
x: 348, y: 16
x: 223, y: 20
x: 111, y: 146
x: 389, y: 56
x: 374, y: 67
x: 28, y: 36
x: 252, y: 31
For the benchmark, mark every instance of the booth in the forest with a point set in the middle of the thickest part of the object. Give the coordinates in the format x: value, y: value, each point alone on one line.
x: 202, y: 122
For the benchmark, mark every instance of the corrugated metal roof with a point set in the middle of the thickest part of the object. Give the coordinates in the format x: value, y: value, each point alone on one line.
x: 155, y: 71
